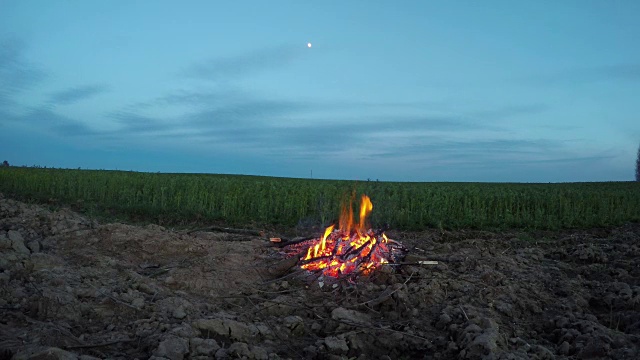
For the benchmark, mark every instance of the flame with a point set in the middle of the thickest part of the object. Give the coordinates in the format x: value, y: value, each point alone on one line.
x: 365, y: 208
x: 346, y: 216
x: 320, y: 248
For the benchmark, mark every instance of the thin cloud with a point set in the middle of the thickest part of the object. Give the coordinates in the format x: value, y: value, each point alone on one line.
x: 5, y: 100
x: 132, y: 123
x: 469, y: 150
x: 554, y: 167
x: 241, y: 65
x: 354, y: 131
x: 211, y: 112
x: 247, y: 112
x: 572, y: 160
x: 622, y: 72
x: 195, y: 98
x: 510, y: 111
x: 425, y: 143
x: 232, y: 123
x: 562, y: 161
x: 297, y: 129
x: 491, y: 159
x: 504, y: 146
x: 48, y: 120
x: 320, y: 139
x: 16, y: 72
x: 227, y: 95
x: 277, y: 127
x: 76, y: 94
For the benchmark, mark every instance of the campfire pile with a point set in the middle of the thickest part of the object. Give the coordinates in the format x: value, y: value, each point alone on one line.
x: 351, y: 250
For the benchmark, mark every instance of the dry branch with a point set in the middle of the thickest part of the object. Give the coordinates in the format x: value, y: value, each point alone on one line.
x: 230, y: 231
x: 116, y: 300
x: 87, y: 346
x: 421, y: 262
x: 286, y: 242
x: 384, y: 296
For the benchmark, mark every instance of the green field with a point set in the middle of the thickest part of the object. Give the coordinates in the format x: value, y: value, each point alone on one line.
x: 237, y: 199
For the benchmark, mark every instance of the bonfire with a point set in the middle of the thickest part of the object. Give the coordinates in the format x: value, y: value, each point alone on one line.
x: 350, y: 250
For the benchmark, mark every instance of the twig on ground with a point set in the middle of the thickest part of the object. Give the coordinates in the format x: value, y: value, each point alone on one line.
x: 86, y: 346
x: 117, y: 301
x: 276, y: 292
x: 422, y: 262
x: 229, y: 231
x: 371, y: 327
x: 464, y: 312
x: 159, y: 272
x: 35, y: 287
x: 383, y: 297
x: 291, y: 274
x: 63, y: 330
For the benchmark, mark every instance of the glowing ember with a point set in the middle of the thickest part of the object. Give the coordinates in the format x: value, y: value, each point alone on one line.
x: 353, y: 249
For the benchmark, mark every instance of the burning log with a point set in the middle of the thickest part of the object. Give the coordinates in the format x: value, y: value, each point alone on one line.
x: 285, y: 242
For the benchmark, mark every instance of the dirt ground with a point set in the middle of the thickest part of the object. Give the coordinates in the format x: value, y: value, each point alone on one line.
x: 72, y: 288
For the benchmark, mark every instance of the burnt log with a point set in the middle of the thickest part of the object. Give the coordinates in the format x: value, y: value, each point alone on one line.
x: 281, y: 268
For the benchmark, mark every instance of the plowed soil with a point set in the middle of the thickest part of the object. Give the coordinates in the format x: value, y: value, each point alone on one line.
x: 72, y: 288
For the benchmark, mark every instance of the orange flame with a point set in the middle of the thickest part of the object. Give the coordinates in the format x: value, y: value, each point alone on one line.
x: 365, y: 208
x: 346, y: 216
x: 320, y: 249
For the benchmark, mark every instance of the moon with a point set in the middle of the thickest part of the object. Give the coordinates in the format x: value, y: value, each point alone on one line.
x: 309, y: 45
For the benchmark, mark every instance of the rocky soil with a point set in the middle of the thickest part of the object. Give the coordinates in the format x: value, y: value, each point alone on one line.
x: 71, y: 288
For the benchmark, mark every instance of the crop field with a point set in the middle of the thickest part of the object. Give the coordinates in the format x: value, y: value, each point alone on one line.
x: 239, y: 199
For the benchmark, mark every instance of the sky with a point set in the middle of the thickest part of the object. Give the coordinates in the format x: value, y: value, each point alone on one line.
x: 486, y: 91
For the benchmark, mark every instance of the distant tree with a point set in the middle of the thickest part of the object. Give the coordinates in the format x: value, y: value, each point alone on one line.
x: 5, y: 163
x: 638, y: 165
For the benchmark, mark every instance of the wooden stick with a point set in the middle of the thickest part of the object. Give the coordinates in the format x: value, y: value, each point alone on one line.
x: 230, y: 231
x: 286, y: 242
x: 384, y: 296
x: 422, y: 262
x: 86, y: 346
x: 116, y: 300
x: 464, y: 313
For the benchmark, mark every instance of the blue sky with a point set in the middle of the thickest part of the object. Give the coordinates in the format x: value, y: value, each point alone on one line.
x: 528, y: 91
